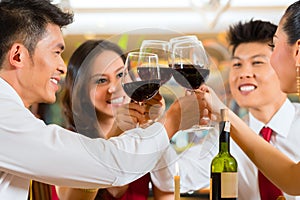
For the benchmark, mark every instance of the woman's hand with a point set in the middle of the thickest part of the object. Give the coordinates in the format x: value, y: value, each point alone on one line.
x: 154, y: 109
x: 214, y: 104
x: 126, y: 117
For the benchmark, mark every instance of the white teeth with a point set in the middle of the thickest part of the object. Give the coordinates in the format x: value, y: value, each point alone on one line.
x: 247, y: 88
x: 117, y: 101
x: 54, y: 80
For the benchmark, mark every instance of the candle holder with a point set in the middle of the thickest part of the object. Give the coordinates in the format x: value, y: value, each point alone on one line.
x: 177, y: 183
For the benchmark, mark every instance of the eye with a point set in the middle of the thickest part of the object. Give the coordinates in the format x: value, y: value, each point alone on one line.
x: 101, y: 81
x: 257, y: 62
x: 236, y: 64
x: 272, y: 45
x: 120, y: 75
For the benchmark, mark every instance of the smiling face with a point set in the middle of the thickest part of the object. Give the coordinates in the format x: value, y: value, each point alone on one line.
x: 253, y: 82
x: 38, y: 78
x: 106, y: 92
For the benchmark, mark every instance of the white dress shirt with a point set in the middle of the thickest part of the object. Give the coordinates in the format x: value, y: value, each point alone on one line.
x: 30, y: 149
x: 195, y: 162
x: 286, y: 138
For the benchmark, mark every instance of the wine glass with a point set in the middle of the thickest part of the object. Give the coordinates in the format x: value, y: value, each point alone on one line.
x: 191, y: 67
x: 141, y: 81
x: 161, y: 48
x: 178, y: 39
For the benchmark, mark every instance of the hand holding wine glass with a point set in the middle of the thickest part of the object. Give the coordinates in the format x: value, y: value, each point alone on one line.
x: 141, y: 80
x: 191, y: 66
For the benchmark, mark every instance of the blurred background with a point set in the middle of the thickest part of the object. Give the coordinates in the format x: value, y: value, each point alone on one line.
x: 129, y: 22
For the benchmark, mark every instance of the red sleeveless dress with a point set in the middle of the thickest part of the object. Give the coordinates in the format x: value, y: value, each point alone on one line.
x: 137, y: 190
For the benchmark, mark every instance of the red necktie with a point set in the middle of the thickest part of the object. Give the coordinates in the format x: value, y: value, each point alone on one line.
x: 268, y: 191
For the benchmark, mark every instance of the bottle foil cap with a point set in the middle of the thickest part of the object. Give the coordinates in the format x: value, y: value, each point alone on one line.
x: 224, y: 114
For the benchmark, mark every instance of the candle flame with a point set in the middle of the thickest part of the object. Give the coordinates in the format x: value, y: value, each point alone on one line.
x: 177, y: 168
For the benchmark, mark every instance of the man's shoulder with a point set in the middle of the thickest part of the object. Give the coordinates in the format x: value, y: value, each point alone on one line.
x: 297, y: 110
x: 296, y: 105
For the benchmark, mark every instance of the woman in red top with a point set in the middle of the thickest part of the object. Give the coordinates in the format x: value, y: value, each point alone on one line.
x: 95, y: 70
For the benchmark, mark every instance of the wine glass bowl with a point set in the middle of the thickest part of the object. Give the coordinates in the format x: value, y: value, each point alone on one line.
x: 141, y: 79
x: 191, y: 67
x: 175, y: 40
x: 190, y: 64
x: 161, y: 48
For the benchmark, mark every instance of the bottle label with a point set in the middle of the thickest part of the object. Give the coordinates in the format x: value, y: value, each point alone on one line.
x: 229, y: 185
x: 227, y: 126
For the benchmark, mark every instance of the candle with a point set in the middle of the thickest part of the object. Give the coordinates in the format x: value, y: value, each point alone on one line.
x: 177, y: 183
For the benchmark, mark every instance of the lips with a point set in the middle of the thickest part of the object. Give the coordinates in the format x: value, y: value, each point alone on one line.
x: 247, y: 87
x: 53, y: 80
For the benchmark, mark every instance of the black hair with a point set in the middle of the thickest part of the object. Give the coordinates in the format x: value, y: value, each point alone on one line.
x: 291, y: 22
x: 25, y: 21
x: 78, y: 110
x: 251, y: 31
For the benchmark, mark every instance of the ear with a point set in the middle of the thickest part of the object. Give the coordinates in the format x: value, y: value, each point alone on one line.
x: 298, y: 53
x: 17, y: 55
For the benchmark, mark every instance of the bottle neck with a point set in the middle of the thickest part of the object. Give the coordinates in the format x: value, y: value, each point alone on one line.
x: 224, y: 138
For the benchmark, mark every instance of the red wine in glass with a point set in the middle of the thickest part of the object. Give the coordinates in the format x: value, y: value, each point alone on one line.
x: 141, y: 82
x: 191, y: 68
x: 190, y: 76
x: 165, y: 73
x: 142, y: 90
x: 161, y: 48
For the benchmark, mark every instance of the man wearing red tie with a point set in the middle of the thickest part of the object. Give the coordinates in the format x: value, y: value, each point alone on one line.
x: 255, y: 86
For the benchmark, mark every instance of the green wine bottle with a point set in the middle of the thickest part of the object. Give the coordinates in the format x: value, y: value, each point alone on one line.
x: 223, y: 176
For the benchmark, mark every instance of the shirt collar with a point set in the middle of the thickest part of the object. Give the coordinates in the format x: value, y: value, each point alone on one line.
x: 280, y: 122
x: 8, y: 90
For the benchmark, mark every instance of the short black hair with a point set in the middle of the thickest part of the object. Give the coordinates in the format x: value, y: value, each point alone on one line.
x: 251, y: 31
x: 25, y: 21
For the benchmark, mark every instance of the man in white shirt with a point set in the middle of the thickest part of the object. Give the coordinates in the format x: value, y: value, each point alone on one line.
x: 31, y: 65
x: 255, y: 86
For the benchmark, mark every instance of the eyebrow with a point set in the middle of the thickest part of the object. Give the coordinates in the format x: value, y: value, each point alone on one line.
x: 255, y: 56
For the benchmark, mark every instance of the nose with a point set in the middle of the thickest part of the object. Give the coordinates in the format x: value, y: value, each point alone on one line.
x: 62, y: 67
x: 247, y: 72
x: 115, y: 86
x: 112, y: 88
x: 242, y: 76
